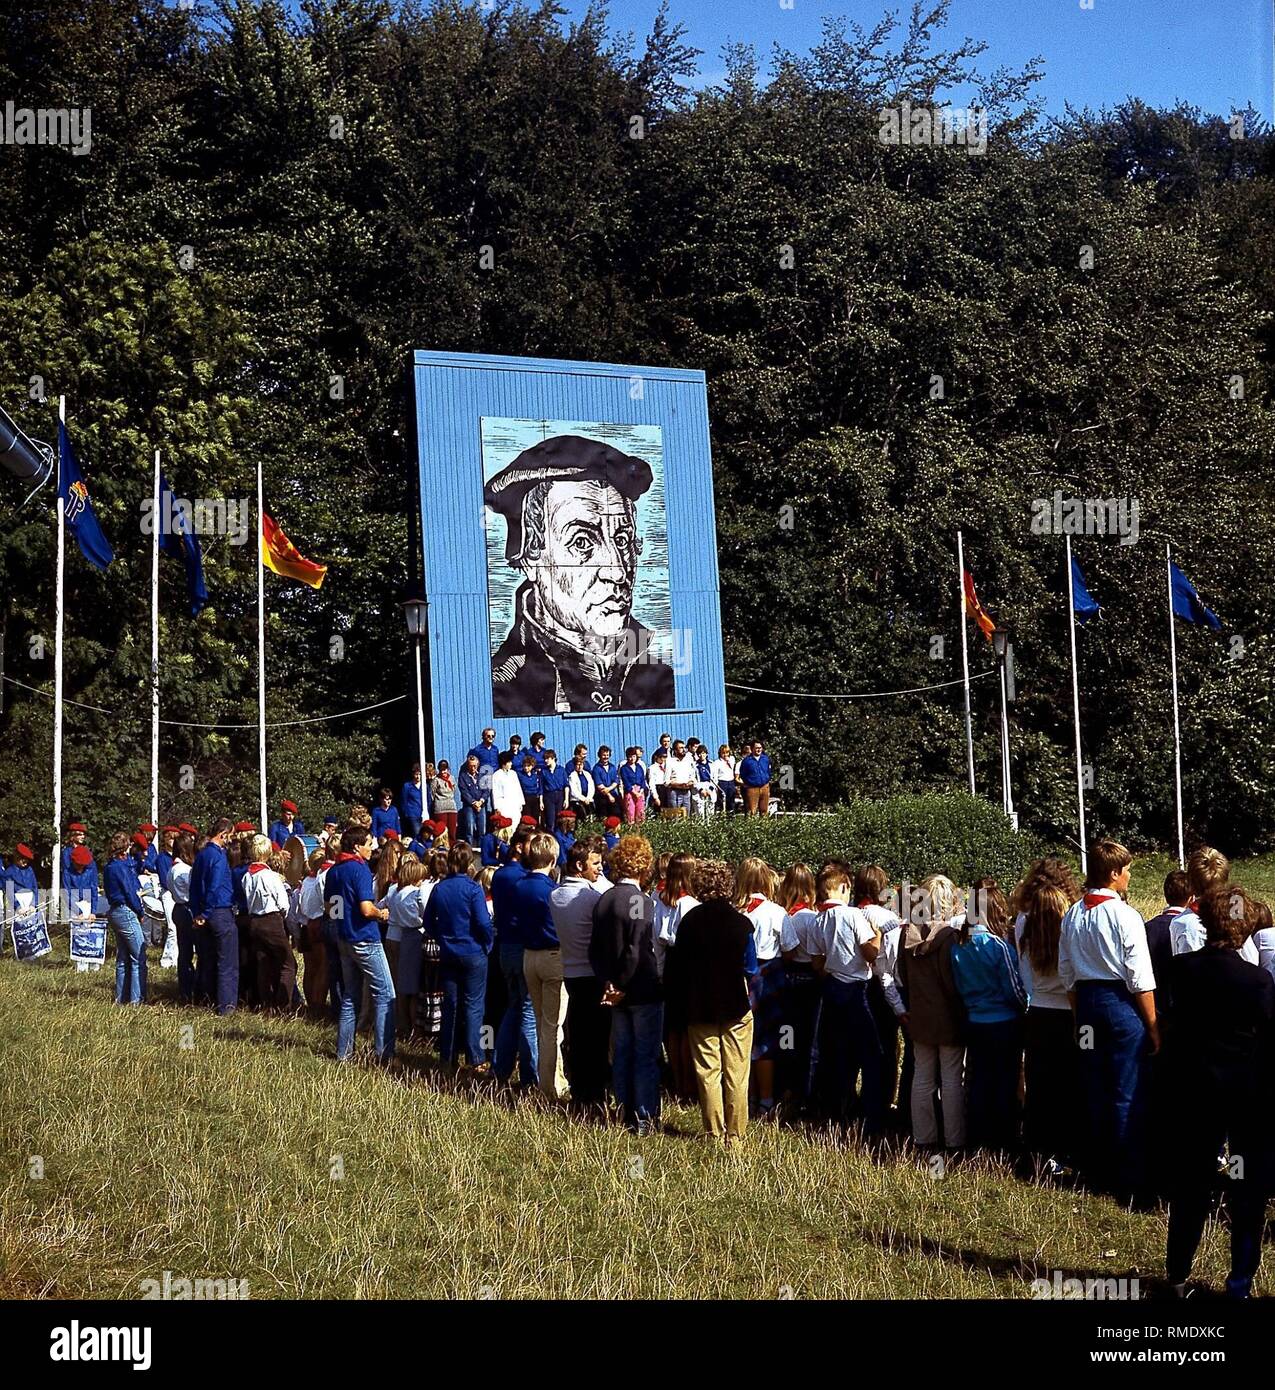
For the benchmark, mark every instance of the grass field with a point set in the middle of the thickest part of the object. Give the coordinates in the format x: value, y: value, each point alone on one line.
x: 135, y: 1141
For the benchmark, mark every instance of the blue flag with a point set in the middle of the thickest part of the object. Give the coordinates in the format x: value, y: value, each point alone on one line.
x: 78, y: 508
x: 1186, y: 602
x: 1081, y: 599
x: 177, y: 538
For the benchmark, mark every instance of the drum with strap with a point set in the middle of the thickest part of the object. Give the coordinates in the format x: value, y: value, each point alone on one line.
x: 299, y: 848
x: 155, y: 924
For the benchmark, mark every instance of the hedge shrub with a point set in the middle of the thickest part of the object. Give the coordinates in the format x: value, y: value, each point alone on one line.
x: 909, y: 836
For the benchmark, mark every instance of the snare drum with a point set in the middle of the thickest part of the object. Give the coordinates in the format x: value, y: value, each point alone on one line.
x: 299, y: 848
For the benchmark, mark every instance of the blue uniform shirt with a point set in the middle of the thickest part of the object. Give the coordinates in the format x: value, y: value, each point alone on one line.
x: 80, y: 886
x: 210, y: 886
x: 611, y: 840
x: 412, y: 801
x: 487, y: 757
x: 163, y: 867
x: 237, y: 876
x: 385, y: 818
x: 503, y: 883
x: 492, y: 850
x: 348, y: 885
x: 21, y: 878
x: 755, y: 772
x: 533, y: 922
x: 632, y: 776
x: 456, y: 917
x: 565, y: 840
x: 279, y: 832
x: 555, y: 782
x: 122, y: 885
x: 608, y: 776
x: 532, y: 782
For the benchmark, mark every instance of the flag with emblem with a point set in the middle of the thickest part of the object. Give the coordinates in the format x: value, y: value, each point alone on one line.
x: 77, y: 511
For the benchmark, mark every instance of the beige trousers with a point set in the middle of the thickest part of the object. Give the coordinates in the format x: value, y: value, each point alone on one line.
x: 543, y: 973
x: 722, y: 1055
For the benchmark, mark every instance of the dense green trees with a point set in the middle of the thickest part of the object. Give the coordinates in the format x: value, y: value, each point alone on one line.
x: 899, y: 340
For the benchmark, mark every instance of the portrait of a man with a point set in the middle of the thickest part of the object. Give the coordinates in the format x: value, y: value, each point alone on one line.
x: 568, y: 638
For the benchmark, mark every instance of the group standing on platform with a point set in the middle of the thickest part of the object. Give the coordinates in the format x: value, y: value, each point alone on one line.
x: 1048, y: 1025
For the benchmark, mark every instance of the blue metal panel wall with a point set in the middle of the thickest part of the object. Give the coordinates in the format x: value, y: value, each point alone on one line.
x: 453, y: 392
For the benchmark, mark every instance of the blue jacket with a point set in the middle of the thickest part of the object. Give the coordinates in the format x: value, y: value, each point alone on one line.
x: 420, y: 848
x: 151, y: 858
x: 80, y: 885
x: 240, y: 896
x: 985, y: 969
x: 755, y: 772
x: 210, y: 886
x: 608, y: 776
x: 412, y: 800
x: 279, y: 831
x: 163, y: 867
x: 633, y: 776
x: 456, y: 917
x: 503, y: 906
x: 532, y: 782
x: 348, y: 885
x: 611, y: 840
x: 385, y: 818
x: 492, y: 850
x: 533, y: 928
x: 122, y: 885
x: 565, y: 840
x: 20, y: 878
x: 470, y: 787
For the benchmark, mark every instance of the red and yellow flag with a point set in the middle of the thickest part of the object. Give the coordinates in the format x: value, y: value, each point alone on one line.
x: 280, y: 555
x: 975, y: 609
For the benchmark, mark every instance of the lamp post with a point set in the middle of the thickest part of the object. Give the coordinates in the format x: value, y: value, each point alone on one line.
x: 1005, y: 660
x: 416, y: 611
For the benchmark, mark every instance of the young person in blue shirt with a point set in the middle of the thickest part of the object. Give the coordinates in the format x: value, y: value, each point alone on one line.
x: 494, y: 849
x: 350, y: 893
x: 20, y: 876
x: 150, y: 853
x: 473, y: 800
x: 606, y: 784
x: 76, y: 834
x: 385, y: 814
x: 985, y: 967
x: 532, y: 783
x: 456, y: 917
x: 212, y: 907
x: 80, y: 885
x: 412, y: 802
x: 612, y: 835
x: 634, y: 787
x: 565, y: 835
x: 754, y: 775
x: 164, y: 859
x: 515, y: 750
x: 553, y: 781
x: 537, y: 749
x: 125, y: 916
x: 516, y: 1036
x: 286, y: 826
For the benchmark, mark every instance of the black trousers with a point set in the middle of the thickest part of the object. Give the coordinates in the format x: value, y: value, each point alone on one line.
x: 588, y: 1035
x: 1053, y: 1119
x: 887, y: 1026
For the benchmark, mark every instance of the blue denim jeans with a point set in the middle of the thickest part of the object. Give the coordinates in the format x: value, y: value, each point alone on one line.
x: 516, y: 1038
x: 221, y: 935
x: 365, y: 960
x: 1113, y: 1065
x: 469, y: 825
x: 672, y: 798
x: 464, y: 980
x: 636, y: 1033
x: 130, y: 956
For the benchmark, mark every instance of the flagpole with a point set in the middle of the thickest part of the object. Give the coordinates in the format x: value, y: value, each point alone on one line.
x: 261, y: 649
x: 965, y: 657
x: 54, y: 914
x: 1075, y: 709
x: 1177, y: 734
x: 155, y: 653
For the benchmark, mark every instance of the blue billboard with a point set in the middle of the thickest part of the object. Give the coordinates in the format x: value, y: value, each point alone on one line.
x: 569, y: 536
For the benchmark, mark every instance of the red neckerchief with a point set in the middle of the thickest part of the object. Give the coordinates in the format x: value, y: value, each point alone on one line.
x: 344, y: 858
x: 867, y: 902
x: 1191, y: 904
x: 1099, y: 895
x: 256, y: 868
x: 798, y: 907
x: 823, y: 907
x: 754, y: 904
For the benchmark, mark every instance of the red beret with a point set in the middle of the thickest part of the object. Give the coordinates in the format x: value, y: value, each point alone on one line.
x: 187, y: 829
x: 527, y: 820
x: 566, y: 815
x: 81, y: 856
x: 288, y: 806
x: 24, y: 852
x: 167, y: 828
x: 500, y: 822
x: 391, y: 834
x: 611, y: 822
x: 77, y: 825
x: 146, y: 825
x: 243, y: 825
x: 141, y: 841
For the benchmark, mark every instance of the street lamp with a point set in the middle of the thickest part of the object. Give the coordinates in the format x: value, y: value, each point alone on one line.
x: 1005, y: 660
x: 24, y: 457
x: 416, y: 612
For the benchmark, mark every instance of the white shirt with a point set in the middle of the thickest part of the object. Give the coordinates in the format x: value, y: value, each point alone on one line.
x: 768, y: 925
x: 844, y: 930
x: 571, y: 907
x: 888, y: 924
x: 722, y: 769
x: 800, y: 932
x: 506, y: 793
x: 407, y: 909
x: 681, y: 769
x: 265, y: 891
x: 1106, y: 940
x: 179, y: 881
x: 656, y: 776
x: 665, y: 923
x: 1045, y: 990
x: 1186, y: 934
x: 580, y: 784
x: 311, y: 902
x: 1263, y: 942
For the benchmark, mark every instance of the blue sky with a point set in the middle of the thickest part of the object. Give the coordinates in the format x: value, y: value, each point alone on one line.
x: 1215, y: 54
